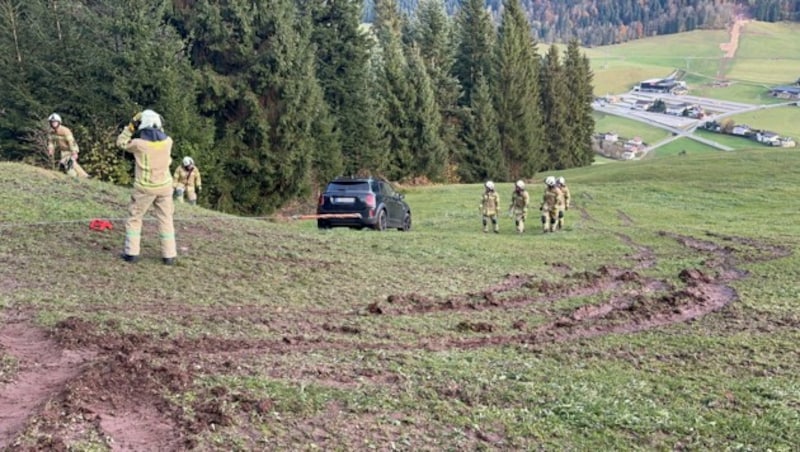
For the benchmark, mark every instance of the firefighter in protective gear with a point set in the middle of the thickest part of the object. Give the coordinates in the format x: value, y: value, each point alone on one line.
x: 187, y: 180
x: 152, y: 185
x: 564, y: 201
x: 490, y: 204
x: 60, y: 138
x: 519, y: 205
x: 549, y: 206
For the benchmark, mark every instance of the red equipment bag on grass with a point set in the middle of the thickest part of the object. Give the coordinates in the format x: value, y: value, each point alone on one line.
x: 100, y: 225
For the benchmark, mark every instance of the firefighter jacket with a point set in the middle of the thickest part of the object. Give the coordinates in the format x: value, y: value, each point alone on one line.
x: 187, y: 177
x: 152, y: 152
x: 61, y: 139
x: 490, y: 202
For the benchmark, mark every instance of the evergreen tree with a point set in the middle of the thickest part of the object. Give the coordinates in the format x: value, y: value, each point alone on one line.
x: 579, y: 105
x: 517, y: 95
x: 429, y: 155
x: 261, y: 90
x: 393, y: 91
x: 97, y: 65
x: 343, y: 52
x: 554, y: 92
x: 434, y: 37
x: 482, y: 158
x: 475, y: 42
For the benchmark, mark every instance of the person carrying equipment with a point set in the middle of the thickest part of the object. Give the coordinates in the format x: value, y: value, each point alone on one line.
x: 549, y: 206
x: 152, y: 184
x: 519, y: 205
x: 60, y: 138
x: 490, y: 203
x: 187, y: 180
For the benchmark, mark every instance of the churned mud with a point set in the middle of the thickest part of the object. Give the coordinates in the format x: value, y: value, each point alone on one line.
x: 122, y: 386
x: 44, y: 369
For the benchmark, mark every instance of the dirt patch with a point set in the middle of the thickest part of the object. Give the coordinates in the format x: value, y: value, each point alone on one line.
x: 729, y: 48
x: 43, y: 370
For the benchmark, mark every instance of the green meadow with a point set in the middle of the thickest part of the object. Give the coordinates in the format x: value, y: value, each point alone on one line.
x: 662, y: 317
x: 628, y: 128
x: 768, y: 55
x: 785, y: 121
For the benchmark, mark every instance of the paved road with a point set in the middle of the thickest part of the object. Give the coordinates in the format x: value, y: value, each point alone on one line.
x: 679, y: 126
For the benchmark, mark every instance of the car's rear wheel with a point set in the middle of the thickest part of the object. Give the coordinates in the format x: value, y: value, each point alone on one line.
x: 406, y: 223
x: 380, y: 224
x: 322, y: 224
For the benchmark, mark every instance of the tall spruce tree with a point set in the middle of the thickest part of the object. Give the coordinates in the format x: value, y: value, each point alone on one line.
x: 343, y: 57
x: 433, y: 35
x: 474, y: 50
x: 579, y: 104
x: 261, y: 90
x: 394, y: 91
x: 429, y: 153
x: 555, y: 92
x: 517, y: 95
x: 482, y: 158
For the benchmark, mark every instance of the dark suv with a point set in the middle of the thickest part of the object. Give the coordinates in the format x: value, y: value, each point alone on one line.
x: 362, y: 202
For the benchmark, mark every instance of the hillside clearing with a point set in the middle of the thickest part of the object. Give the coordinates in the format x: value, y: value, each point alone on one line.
x: 663, y: 317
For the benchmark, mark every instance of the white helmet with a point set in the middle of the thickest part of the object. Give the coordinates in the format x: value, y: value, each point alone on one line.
x: 550, y: 181
x: 562, y: 181
x: 187, y: 161
x: 150, y: 120
x: 55, y: 117
x: 489, y: 185
x: 520, y: 184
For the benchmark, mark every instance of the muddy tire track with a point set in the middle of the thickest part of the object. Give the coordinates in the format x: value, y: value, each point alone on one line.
x: 625, y: 219
x: 44, y: 369
x: 121, y: 383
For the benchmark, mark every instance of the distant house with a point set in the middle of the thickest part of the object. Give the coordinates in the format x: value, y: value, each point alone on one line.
x: 769, y: 138
x: 634, y: 144
x: 661, y: 85
x: 695, y: 111
x: 642, y: 104
x: 611, y: 137
x: 676, y: 109
x: 741, y: 130
x: 786, y: 92
x: 713, y: 126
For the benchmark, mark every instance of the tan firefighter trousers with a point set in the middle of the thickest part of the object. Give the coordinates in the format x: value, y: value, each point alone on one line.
x: 163, y: 209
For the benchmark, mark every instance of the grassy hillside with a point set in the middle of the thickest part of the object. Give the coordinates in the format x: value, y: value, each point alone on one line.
x: 628, y: 128
x: 663, y: 317
x: 785, y: 120
x: 768, y: 54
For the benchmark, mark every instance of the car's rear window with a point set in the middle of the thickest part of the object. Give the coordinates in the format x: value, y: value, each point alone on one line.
x: 347, y: 186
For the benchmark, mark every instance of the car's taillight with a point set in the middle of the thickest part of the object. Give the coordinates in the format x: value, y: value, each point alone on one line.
x: 370, y: 200
x: 321, y: 199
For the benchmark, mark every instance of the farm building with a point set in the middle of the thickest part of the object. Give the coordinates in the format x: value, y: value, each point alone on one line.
x: 786, y: 92
x: 770, y: 138
x: 741, y: 130
x: 661, y: 85
x: 675, y: 108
